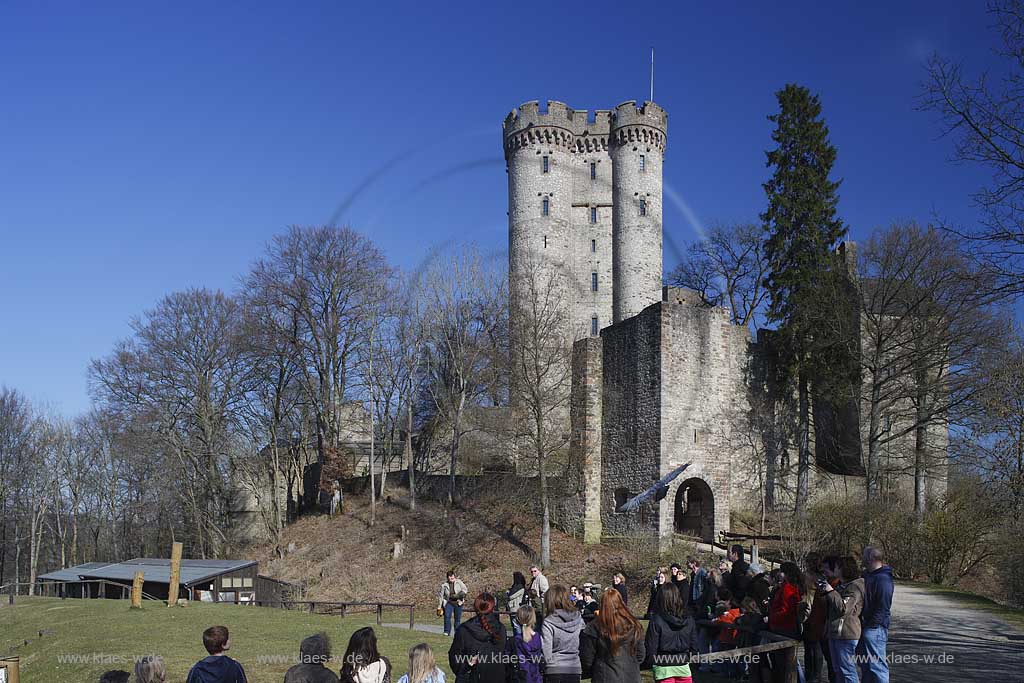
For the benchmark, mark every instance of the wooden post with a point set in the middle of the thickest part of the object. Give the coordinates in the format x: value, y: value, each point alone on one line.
x: 380, y: 613
x: 412, y: 617
x: 9, y: 669
x: 791, y: 664
x: 172, y: 587
x: 137, y: 590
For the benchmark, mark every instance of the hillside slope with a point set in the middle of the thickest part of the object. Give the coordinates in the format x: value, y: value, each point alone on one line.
x: 344, y: 558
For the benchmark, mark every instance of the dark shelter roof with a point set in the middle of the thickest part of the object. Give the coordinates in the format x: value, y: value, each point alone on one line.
x: 156, y: 570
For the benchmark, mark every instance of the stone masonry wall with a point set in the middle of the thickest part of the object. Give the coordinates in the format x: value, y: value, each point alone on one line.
x: 702, y: 394
x: 631, y: 417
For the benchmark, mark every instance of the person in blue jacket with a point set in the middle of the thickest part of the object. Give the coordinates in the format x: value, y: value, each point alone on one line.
x: 218, y: 667
x: 878, y: 587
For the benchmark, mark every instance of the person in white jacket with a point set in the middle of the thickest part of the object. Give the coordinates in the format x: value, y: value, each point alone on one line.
x: 450, y: 600
x: 539, y: 583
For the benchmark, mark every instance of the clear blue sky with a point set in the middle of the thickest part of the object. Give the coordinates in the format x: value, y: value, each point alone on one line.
x: 148, y: 147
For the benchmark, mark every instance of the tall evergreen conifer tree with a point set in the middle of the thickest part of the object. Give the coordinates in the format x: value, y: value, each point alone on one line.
x: 803, y: 232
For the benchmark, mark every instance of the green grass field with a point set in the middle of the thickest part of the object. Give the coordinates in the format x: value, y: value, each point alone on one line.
x: 83, y: 638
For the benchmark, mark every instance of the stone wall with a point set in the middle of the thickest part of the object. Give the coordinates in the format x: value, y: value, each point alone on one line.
x: 703, y: 365
x: 631, y: 420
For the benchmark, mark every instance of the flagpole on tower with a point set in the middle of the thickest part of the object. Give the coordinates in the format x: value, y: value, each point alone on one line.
x: 652, y: 74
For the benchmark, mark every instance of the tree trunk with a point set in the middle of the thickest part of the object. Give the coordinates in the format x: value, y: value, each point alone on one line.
x: 411, y: 462
x: 373, y: 490
x: 920, y: 463
x: 35, y: 540
x: 545, y: 504
x: 922, y: 418
x: 872, y: 485
x: 453, y: 451
x: 771, y: 465
x: 804, y: 449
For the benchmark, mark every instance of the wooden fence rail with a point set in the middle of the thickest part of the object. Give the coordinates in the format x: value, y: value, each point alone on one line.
x: 342, y: 608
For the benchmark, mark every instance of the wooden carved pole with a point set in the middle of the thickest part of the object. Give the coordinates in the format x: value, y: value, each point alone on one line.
x: 9, y: 669
x: 172, y: 588
x: 137, y: 590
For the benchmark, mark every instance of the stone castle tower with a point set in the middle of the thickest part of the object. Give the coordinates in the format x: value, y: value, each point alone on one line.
x: 659, y: 379
x: 585, y: 201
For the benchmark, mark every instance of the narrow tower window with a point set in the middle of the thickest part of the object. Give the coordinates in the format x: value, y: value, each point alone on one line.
x: 593, y: 327
x: 546, y: 164
x: 643, y: 207
x: 593, y: 246
x: 643, y: 163
x: 545, y: 241
x: 546, y: 207
x: 593, y: 170
x: 593, y: 214
x: 593, y: 282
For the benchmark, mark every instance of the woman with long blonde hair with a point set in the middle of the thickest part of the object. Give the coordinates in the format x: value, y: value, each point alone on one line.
x: 612, y: 645
x: 151, y: 669
x: 422, y: 666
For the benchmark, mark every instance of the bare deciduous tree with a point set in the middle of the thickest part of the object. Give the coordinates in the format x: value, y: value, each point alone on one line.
x: 728, y: 268
x: 985, y: 118
x: 541, y: 375
x: 182, y: 374
x: 325, y: 285
x: 464, y: 306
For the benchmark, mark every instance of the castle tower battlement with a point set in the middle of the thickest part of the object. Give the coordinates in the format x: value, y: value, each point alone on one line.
x: 527, y: 125
x: 577, y: 179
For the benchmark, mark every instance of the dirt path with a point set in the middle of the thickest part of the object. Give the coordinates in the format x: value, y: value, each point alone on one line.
x: 950, y: 642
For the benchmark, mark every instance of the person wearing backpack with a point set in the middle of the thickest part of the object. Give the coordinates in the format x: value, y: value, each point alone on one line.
x: 527, y: 650
x: 612, y: 645
x: 477, y: 654
x: 516, y: 598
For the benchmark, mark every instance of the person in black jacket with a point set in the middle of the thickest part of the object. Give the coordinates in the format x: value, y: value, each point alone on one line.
x: 671, y: 636
x: 619, y: 584
x: 612, y: 645
x: 660, y: 580
x: 478, y: 649
x: 738, y: 579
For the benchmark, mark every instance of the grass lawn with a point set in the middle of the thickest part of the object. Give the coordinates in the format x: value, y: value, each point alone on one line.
x: 83, y: 638
x: 1010, y: 615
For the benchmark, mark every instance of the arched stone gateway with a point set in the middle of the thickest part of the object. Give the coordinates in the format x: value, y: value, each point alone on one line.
x: 695, y: 510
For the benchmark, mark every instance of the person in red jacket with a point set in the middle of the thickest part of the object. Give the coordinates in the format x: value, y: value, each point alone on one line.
x: 782, y: 614
x: 782, y: 609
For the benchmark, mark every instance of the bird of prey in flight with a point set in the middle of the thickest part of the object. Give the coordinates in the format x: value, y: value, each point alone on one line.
x: 657, y: 492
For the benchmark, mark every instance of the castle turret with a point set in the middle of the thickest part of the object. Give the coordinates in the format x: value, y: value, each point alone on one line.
x: 637, y: 148
x: 539, y: 150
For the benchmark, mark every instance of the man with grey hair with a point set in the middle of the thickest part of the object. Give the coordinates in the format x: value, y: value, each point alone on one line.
x: 314, y: 656
x: 878, y: 587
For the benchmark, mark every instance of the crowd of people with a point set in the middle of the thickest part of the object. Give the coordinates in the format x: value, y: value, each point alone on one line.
x: 838, y: 608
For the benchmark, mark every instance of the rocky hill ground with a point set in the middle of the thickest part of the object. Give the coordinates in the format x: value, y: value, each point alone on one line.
x: 485, y: 539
